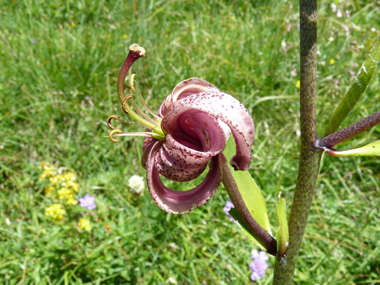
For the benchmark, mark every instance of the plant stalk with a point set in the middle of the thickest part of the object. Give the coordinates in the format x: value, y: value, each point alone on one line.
x: 350, y: 131
x: 309, y: 154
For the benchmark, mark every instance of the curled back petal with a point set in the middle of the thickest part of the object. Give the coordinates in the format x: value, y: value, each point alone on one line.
x: 194, y: 138
x: 186, y: 88
x: 177, y: 171
x: 219, y: 106
x: 147, y: 146
x: 179, y: 202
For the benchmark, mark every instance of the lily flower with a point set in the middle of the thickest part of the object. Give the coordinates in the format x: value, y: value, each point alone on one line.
x: 188, y: 133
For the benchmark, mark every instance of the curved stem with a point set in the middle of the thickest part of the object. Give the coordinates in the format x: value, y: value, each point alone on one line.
x: 309, y: 156
x: 350, y: 131
x: 229, y: 182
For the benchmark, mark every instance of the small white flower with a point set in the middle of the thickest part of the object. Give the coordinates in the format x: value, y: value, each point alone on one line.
x: 171, y: 280
x: 136, y: 184
x: 331, y: 38
x: 333, y: 7
x: 339, y: 13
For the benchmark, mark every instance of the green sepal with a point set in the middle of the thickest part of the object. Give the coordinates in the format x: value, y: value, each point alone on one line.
x: 283, y: 230
x: 356, y: 90
x: 249, y: 190
x: 372, y: 149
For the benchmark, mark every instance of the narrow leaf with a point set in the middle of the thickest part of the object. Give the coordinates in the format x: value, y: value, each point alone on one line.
x: 249, y: 190
x: 283, y: 231
x: 371, y: 149
x: 356, y: 90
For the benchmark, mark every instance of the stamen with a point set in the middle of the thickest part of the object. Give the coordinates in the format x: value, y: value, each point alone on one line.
x: 118, y: 133
x: 116, y: 117
x: 131, y: 80
x: 127, y: 109
x: 131, y: 85
x: 134, y: 134
x: 109, y: 121
x: 145, y: 105
x: 137, y: 108
x: 112, y: 133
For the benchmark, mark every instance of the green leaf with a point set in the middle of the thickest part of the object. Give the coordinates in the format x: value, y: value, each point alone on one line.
x: 356, y: 90
x: 248, y: 190
x: 252, y: 237
x: 283, y: 231
x: 371, y: 149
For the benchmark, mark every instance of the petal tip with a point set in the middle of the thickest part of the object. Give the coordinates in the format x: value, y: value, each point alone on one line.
x: 240, y: 162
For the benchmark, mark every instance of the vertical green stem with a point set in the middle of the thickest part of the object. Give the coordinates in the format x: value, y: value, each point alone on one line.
x: 309, y: 156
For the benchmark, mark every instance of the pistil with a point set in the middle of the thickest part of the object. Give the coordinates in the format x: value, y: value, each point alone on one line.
x: 153, y: 125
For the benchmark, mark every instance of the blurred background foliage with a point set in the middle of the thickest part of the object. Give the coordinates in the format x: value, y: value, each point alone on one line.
x: 59, y: 62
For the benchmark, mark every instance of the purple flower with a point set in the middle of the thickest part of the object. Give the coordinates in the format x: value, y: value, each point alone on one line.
x: 188, y: 133
x: 88, y: 202
x: 258, y: 265
x: 227, y: 208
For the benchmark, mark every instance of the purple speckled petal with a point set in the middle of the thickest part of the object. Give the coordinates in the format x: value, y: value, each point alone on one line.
x: 175, y: 170
x: 194, y: 139
x: 147, y: 146
x: 179, y: 202
x: 197, y: 120
x: 219, y: 106
x: 183, y: 89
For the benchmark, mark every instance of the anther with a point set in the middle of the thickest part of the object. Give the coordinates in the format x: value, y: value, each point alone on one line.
x: 131, y: 83
x: 129, y: 96
x: 114, y: 132
x: 109, y: 121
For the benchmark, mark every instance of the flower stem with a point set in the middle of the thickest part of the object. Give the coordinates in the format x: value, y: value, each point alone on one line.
x: 350, y: 131
x: 233, y: 191
x: 309, y: 156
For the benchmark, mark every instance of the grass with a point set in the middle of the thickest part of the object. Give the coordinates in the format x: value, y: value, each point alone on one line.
x: 59, y: 65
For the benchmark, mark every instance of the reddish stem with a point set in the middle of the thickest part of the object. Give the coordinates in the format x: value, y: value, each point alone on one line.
x: 350, y: 131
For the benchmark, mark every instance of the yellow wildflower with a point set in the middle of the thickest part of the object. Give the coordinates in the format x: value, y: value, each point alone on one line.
x: 125, y: 36
x: 298, y: 84
x: 71, y: 201
x: 73, y: 24
x: 166, y: 36
x: 44, y: 175
x: 46, y: 165
x: 70, y: 184
x: 64, y: 193
x: 332, y: 61
x: 48, y: 172
x: 55, y: 211
x: 84, y: 224
x: 69, y: 176
x: 43, y: 164
x: 49, y: 190
x: 107, y: 228
x: 55, y: 179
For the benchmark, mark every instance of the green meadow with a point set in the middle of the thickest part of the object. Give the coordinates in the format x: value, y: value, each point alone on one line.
x: 59, y: 63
